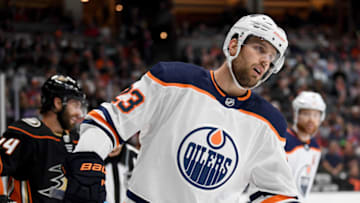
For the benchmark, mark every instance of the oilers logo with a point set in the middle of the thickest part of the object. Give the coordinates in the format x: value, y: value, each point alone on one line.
x: 207, y: 157
x: 303, y: 179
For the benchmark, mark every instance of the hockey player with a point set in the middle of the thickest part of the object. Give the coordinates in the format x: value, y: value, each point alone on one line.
x: 32, y: 150
x: 302, y: 150
x: 204, y: 134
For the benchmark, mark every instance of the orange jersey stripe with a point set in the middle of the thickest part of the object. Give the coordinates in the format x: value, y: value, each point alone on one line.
x: 29, y: 191
x: 16, y: 193
x: 2, y: 191
x: 217, y: 88
x: 243, y: 98
x: 99, y: 118
x: 276, y: 198
x: 1, y: 166
x: 282, y: 139
x: 179, y: 85
x: 34, y: 136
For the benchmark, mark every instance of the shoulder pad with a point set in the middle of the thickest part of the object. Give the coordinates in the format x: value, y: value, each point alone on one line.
x: 33, y: 122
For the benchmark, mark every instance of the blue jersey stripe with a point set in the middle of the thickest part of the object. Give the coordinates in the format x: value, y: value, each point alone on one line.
x: 92, y: 122
x: 110, y: 121
x: 135, y: 197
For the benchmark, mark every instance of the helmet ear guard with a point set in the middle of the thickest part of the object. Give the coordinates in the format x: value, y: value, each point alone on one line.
x: 261, y: 26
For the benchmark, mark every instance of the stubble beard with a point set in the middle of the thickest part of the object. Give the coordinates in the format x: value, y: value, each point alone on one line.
x: 65, y: 117
x: 244, y: 78
x: 310, y: 131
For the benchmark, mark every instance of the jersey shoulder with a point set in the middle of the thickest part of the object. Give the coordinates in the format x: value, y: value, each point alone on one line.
x: 314, y: 143
x: 182, y: 73
x: 28, y: 127
x: 292, y: 141
x: 259, y: 106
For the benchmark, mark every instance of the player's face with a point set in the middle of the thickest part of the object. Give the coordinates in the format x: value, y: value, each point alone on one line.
x: 253, y: 61
x: 308, y: 121
x: 72, y: 113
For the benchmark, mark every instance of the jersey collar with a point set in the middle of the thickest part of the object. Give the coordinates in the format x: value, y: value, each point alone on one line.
x: 223, y: 94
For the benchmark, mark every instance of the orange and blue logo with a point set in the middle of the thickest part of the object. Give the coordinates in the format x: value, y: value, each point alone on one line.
x: 207, y: 157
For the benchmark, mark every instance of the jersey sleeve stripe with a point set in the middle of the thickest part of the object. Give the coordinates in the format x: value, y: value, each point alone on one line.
x: 29, y: 191
x: 282, y: 139
x: 110, y: 121
x: 1, y: 166
x: 179, y: 85
x: 276, y: 198
x: 99, y: 119
x: 16, y: 191
x: 92, y: 122
x: 34, y: 136
x: 135, y: 197
x: 273, y: 198
x: 2, y: 187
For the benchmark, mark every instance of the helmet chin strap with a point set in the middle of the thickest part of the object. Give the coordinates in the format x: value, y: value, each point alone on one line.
x: 229, y: 60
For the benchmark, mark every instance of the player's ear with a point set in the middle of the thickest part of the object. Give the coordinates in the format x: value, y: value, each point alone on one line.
x: 57, y: 104
x: 233, y: 46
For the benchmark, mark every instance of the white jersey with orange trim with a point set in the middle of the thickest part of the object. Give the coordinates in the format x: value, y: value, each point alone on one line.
x: 304, y: 160
x: 197, y: 143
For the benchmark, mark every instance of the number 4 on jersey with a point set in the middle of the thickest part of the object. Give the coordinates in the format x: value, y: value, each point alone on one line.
x: 10, y: 144
x: 134, y: 98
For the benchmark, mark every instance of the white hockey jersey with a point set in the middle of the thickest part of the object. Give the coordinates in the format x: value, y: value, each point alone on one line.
x: 304, y: 160
x: 197, y: 143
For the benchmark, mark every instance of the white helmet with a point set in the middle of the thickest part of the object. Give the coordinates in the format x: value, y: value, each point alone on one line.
x: 308, y: 100
x: 261, y: 26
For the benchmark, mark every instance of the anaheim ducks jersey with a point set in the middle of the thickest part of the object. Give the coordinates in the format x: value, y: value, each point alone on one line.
x: 31, y: 155
x: 197, y: 143
x: 303, y: 159
x: 118, y: 173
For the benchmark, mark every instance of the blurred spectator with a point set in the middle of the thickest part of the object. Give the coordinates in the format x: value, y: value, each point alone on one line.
x: 333, y: 162
x: 353, y: 180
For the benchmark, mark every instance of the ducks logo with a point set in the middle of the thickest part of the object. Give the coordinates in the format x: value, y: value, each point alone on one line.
x: 207, y: 157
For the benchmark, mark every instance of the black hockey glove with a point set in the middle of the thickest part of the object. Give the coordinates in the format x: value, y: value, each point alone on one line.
x: 85, y: 172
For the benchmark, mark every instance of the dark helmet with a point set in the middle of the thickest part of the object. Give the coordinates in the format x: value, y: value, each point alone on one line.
x: 60, y: 86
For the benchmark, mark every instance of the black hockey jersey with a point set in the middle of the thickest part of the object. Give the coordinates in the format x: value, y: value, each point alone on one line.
x: 32, y: 154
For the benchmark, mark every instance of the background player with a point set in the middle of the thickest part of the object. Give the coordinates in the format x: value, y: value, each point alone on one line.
x: 302, y: 150
x: 32, y: 150
x: 204, y: 134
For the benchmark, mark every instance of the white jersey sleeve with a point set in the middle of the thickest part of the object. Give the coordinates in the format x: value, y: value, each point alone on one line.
x: 270, y: 178
x: 113, y: 122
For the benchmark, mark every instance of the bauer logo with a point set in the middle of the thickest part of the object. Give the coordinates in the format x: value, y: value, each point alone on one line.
x: 207, y: 157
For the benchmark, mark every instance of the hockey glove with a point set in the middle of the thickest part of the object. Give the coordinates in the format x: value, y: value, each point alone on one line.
x: 85, y: 172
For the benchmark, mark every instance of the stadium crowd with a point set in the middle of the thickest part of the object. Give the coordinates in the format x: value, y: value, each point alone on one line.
x: 318, y: 59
